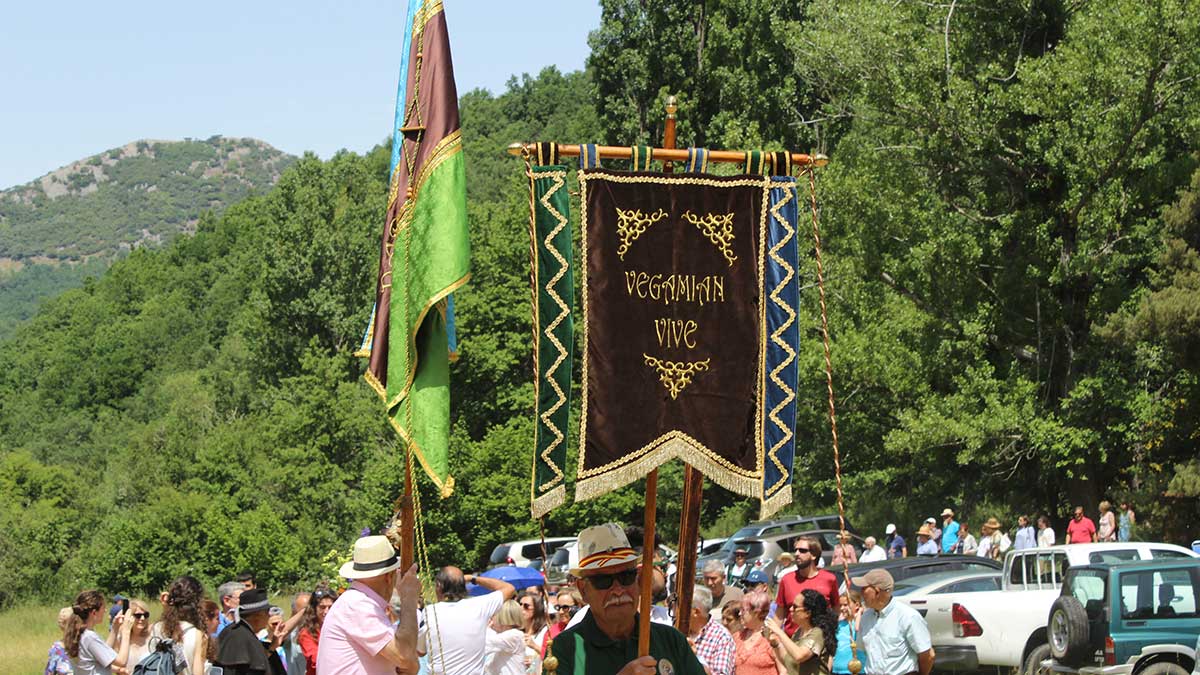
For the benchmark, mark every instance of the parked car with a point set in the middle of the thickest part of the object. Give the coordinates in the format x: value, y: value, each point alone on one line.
x: 526, y: 553
x: 1126, y: 618
x: 706, y: 547
x: 558, y: 568
x: 768, y: 528
x: 917, y: 592
x: 1007, y: 628
x: 903, y: 569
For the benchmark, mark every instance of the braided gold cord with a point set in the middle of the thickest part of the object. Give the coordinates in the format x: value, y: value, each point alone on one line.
x: 837, y: 460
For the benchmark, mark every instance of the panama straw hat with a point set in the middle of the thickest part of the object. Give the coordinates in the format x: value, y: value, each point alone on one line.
x: 601, y: 547
x: 991, y: 524
x: 373, y: 556
x: 925, y: 531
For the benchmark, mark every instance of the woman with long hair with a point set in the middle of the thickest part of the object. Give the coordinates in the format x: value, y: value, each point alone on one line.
x: 809, y: 650
x: 182, y: 623
x: 210, y: 614
x: 535, y: 623
x: 753, y: 653
x: 310, y: 626
x: 1126, y: 522
x: 504, y: 646
x: 139, y: 635
x: 1107, y: 527
x: 90, y: 654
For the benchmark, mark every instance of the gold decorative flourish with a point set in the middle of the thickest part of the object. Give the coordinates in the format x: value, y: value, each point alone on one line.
x: 675, y: 375
x: 718, y: 229
x: 632, y: 224
x: 637, y: 462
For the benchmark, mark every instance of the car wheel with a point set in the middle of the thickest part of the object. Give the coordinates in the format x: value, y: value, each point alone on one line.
x: 1162, y: 668
x: 1033, y: 662
x: 1068, y: 632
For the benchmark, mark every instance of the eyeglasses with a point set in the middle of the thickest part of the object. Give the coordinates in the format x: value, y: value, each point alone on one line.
x: 527, y: 605
x: 566, y: 608
x: 603, y: 582
x: 141, y: 615
x: 802, y: 550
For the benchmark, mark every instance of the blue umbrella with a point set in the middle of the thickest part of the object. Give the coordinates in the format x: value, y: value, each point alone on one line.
x: 519, y: 577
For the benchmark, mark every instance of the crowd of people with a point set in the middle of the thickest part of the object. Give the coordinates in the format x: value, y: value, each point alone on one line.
x: 951, y: 536
x: 380, y: 625
x: 742, y: 621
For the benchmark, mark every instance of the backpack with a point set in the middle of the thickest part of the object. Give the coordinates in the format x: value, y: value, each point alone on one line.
x: 161, y: 661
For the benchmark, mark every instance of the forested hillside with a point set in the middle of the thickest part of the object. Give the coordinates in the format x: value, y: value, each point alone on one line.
x: 1011, y: 220
x: 73, y: 222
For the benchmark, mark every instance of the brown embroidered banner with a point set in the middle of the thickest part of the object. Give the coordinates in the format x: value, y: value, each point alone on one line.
x: 673, y: 338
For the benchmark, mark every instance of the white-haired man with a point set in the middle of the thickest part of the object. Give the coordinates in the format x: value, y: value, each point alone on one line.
x: 357, y: 637
x: 714, y: 579
x: 872, y: 552
x: 606, y: 640
x: 710, y: 640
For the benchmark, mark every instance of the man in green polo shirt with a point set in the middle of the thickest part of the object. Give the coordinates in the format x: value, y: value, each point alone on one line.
x: 605, y: 641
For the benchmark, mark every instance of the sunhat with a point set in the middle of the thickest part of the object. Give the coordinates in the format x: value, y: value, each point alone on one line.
x: 991, y: 524
x: 373, y: 556
x: 925, y: 531
x: 880, y: 579
x: 947, y: 512
x: 601, y: 547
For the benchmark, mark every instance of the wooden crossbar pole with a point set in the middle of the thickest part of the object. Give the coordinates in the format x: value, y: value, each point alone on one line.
x: 667, y: 154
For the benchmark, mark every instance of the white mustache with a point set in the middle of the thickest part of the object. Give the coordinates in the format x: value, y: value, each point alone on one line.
x: 619, y: 600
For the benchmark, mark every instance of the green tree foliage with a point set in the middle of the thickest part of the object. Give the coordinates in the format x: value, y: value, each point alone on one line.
x: 993, y: 208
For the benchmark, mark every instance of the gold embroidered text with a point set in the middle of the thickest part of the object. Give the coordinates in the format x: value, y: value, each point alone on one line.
x: 668, y: 288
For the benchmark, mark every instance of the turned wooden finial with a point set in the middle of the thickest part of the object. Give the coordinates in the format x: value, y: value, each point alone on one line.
x: 671, y: 106
x: 855, y: 666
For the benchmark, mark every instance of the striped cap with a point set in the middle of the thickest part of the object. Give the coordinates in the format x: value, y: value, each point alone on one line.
x: 601, y: 547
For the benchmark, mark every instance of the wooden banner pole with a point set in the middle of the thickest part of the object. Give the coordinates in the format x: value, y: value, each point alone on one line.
x: 689, y: 534
x: 646, y: 595
x: 408, y: 523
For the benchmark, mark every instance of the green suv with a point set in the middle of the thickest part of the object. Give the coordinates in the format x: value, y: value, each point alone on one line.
x: 1123, y: 618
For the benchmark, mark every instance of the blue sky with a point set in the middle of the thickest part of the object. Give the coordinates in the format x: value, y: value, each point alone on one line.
x: 78, y: 78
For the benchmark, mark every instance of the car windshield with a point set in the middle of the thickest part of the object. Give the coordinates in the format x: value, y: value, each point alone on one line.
x: 754, y: 548
x: 499, y: 555
x: 560, y: 557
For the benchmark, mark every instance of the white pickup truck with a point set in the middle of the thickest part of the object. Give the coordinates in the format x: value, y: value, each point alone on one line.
x: 1007, y: 627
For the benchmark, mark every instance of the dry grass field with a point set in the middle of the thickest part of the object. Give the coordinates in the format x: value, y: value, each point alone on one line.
x: 29, y: 631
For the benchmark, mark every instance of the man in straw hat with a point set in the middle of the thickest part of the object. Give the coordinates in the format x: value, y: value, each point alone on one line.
x: 949, y: 530
x: 240, y: 651
x: 994, y: 543
x: 357, y: 637
x: 925, y: 543
x: 606, y: 640
x: 894, y: 634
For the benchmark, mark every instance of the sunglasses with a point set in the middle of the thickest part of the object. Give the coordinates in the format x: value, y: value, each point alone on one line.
x: 319, y: 595
x: 569, y: 609
x: 802, y: 550
x: 527, y: 605
x: 141, y: 615
x: 603, y: 582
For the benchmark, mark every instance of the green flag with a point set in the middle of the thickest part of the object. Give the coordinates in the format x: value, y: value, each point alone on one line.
x: 424, y: 254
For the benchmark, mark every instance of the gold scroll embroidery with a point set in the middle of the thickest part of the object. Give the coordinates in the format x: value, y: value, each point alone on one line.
x: 631, y: 224
x: 718, y: 229
x: 675, y: 375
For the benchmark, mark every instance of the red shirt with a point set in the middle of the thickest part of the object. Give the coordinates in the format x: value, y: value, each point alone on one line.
x: 1080, y: 531
x: 790, y: 586
x: 308, y: 646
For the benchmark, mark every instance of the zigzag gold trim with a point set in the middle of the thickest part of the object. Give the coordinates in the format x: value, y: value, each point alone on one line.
x: 603, y: 479
x: 718, y: 229
x: 675, y: 375
x: 560, y: 179
x: 632, y: 224
x: 376, y: 385
x: 772, y: 453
